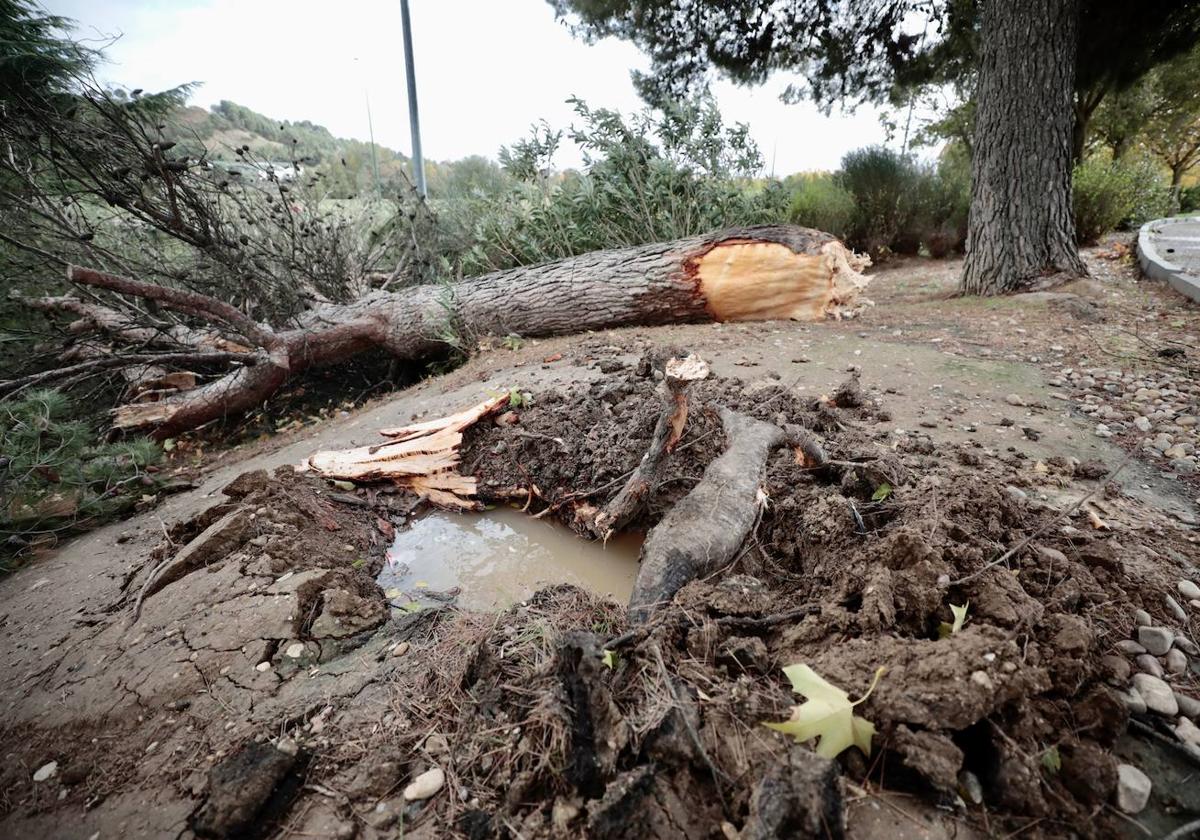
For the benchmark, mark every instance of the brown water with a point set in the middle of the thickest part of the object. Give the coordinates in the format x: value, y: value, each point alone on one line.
x: 502, y: 556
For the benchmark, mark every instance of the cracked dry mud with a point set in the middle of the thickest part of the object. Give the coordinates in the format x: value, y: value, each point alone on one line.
x: 266, y: 689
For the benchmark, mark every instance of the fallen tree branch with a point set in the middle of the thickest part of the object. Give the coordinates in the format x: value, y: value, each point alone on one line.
x: 190, y: 303
x: 12, y: 386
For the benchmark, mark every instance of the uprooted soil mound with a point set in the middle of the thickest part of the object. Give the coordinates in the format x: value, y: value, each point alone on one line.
x: 299, y: 707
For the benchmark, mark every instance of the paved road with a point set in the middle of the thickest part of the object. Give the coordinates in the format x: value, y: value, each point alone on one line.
x: 1170, y: 250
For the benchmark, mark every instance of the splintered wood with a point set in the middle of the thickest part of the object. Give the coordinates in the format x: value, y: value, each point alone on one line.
x: 423, y: 458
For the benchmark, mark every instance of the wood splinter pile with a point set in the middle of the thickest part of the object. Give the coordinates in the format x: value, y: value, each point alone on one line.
x: 423, y: 458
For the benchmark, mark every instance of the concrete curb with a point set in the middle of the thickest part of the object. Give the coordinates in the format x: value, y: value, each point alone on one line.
x: 1155, y: 265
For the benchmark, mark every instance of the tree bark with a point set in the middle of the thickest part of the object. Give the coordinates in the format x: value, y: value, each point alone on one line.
x: 1021, y: 223
x: 742, y: 274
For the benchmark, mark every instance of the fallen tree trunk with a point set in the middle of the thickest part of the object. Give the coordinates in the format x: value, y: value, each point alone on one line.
x: 741, y: 274
x: 706, y: 528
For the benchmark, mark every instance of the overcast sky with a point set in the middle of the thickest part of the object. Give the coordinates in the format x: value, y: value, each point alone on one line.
x: 486, y: 69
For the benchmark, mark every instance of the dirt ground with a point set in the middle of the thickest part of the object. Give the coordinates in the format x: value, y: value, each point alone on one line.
x: 268, y: 688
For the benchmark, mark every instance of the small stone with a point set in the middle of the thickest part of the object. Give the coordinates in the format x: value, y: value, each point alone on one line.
x: 1142, y: 618
x: 1014, y: 399
x: 1187, y: 646
x: 262, y: 667
x: 1188, y: 732
x: 436, y: 744
x: 1189, y: 590
x: 1176, y: 661
x: 1133, y: 789
x: 970, y: 787
x: 1188, y: 705
x: 1156, y: 640
x: 425, y: 785
x: 564, y: 813
x: 46, y: 771
x: 295, y: 650
x: 1149, y: 664
x: 1129, y: 647
x: 400, y: 649
x: 1175, y: 609
x: 1142, y: 424
x: 1156, y: 693
x: 1184, y: 466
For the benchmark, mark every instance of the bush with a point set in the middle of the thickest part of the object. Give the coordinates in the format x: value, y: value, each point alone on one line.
x: 880, y: 182
x: 820, y: 201
x: 650, y: 178
x: 56, y: 476
x: 1117, y: 194
x: 884, y: 201
x: 1189, y: 199
x: 942, y: 198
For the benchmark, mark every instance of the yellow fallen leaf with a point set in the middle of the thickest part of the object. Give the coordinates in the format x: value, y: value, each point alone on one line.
x: 827, y: 714
x: 960, y: 618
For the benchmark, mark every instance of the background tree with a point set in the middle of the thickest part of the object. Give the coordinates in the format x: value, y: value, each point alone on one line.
x: 853, y: 52
x: 1172, y: 125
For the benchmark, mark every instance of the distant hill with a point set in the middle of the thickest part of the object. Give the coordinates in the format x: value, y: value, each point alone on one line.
x: 342, y: 164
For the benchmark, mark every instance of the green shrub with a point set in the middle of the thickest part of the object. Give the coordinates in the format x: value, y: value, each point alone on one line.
x: 820, y: 201
x: 654, y: 177
x: 942, y: 197
x: 880, y: 182
x: 1189, y: 199
x: 55, y: 474
x: 1114, y: 194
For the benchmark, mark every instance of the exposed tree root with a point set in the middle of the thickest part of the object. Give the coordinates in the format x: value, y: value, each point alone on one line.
x: 707, y: 527
x: 679, y: 374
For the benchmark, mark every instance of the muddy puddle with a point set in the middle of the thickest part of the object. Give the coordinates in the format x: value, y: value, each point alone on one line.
x: 502, y: 556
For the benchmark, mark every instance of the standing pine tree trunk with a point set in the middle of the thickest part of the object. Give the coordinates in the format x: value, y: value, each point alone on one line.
x: 1021, y: 225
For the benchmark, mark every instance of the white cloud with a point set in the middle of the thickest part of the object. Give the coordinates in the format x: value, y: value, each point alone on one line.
x: 485, y: 71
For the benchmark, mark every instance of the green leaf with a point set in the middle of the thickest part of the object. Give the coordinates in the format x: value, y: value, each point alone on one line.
x: 343, y: 485
x: 609, y: 659
x: 1051, y: 760
x: 881, y: 492
x: 168, y: 444
x: 827, y: 714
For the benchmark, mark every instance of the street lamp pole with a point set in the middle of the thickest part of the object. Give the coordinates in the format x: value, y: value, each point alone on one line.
x: 414, y: 121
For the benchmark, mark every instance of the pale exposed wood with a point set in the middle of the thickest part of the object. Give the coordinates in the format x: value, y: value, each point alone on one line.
x: 424, y: 459
x: 745, y: 280
x: 458, y: 422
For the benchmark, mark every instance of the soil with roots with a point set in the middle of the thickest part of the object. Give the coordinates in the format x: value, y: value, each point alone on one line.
x: 269, y: 689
